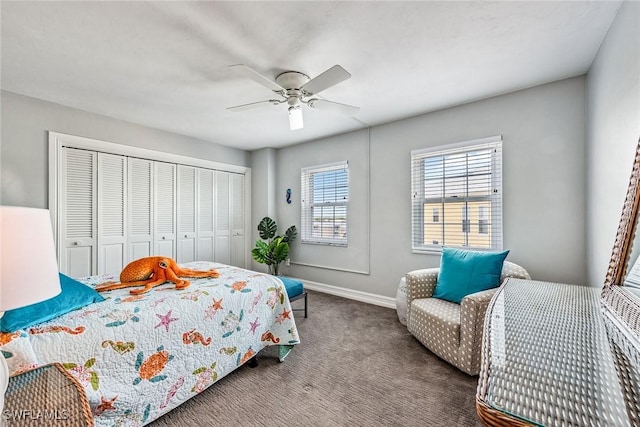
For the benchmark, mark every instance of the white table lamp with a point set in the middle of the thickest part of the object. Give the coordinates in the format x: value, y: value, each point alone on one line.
x: 28, y: 265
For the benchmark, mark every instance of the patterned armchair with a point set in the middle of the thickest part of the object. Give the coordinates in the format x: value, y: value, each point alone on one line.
x: 451, y: 331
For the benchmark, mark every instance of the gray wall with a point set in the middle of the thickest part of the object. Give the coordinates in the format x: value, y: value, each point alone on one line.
x: 543, y: 130
x: 24, y: 155
x: 263, y: 193
x: 613, y: 129
x: 352, y: 147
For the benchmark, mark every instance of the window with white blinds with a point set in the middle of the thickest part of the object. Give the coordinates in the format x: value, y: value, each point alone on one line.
x: 456, y: 195
x: 325, y: 199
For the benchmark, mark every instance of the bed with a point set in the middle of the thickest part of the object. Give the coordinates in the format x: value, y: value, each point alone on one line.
x: 138, y: 357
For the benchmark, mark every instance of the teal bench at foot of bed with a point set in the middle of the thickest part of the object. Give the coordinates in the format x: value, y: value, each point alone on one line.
x: 295, y: 290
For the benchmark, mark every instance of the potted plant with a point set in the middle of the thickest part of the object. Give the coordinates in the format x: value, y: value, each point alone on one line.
x: 272, y: 249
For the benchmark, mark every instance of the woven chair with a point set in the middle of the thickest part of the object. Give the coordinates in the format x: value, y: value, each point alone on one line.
x: 451, y: 331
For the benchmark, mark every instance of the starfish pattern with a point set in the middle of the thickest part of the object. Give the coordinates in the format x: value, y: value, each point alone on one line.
x: 282, y: 316
x: 254, y: 326
x: 211, y: 311
x: 217, y: 304
x: 165, y: 320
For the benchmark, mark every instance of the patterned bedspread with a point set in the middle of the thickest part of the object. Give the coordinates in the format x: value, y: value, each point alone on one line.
x: 138, y: 357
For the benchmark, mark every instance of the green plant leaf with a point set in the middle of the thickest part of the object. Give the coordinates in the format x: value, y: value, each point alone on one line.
x: 290, y: 234
x: 267, y: 228
x: 261, y: 252
x: 280, y: 250
x: 89, y: 363
x: 94, y: 381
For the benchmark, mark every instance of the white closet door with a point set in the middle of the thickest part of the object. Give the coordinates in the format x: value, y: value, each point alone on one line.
x: 205, y: 215
x: 186, y: 213
x: 223, y: 225
x: 112, y: 179
x: 236, y: 220
x: 140, y: 209
x: 77, y: 213
x: 164, y: 209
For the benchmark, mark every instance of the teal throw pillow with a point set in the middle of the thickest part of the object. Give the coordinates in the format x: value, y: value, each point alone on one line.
x: 74, y: 295
x: 465, y: 272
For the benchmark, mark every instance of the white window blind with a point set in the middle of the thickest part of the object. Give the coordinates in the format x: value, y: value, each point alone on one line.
x: 463, y: 183
x: 325, y: 199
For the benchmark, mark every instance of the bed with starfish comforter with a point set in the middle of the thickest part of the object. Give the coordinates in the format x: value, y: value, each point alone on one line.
x: 140, y: 356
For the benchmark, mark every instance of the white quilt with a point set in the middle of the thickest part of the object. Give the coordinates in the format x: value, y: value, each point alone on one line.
x: 138, y: 357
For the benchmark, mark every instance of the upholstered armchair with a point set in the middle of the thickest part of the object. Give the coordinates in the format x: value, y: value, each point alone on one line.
x: 451, y: 331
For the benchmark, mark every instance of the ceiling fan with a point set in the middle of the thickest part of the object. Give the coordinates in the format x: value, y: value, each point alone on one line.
x: 295, y: 89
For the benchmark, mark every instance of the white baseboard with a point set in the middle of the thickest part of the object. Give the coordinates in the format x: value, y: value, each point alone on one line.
x: 367, y: 297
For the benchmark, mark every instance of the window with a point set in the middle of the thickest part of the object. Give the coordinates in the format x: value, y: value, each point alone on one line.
x: 325, y: 197
x: 463, y: 182
x: 483, y: 220
x: 466, y: 222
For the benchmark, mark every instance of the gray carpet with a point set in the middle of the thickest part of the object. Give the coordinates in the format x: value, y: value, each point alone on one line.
x: 356, y: 366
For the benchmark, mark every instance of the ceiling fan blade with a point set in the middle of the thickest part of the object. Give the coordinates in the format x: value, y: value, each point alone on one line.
x: 245, y: 71
x: 332, y: 76
x: 253, y: 105
x: 323, y: 104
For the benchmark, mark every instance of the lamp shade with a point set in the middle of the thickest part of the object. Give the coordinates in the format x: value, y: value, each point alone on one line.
x: 28, y: 265
x: 295, y: 118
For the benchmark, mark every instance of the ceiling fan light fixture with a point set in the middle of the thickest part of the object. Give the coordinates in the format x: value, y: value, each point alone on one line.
x: 295, y: 118
x: 294, y: 88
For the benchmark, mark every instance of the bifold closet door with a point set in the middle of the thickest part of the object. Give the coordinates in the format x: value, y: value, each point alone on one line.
x: 77, y: 230
x: 223, y: 226
x: 140, y: 208
x: 229, y: 212
x: 236, y: 219
x: 205, y: 248
x: 112, y: 189
x: 164, y: 209
x: 187, y: 209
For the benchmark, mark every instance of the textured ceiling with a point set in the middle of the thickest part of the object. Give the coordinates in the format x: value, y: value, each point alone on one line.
x: 165, y: 64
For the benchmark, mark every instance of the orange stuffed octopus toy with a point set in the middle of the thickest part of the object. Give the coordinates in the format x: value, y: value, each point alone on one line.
x: 151, y: 272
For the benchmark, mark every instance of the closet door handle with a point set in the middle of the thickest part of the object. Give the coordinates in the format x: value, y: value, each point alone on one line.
x: 164, y: 237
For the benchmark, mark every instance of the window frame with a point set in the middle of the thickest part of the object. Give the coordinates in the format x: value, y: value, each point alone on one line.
x: 307, y: 205
x: 419, y: 243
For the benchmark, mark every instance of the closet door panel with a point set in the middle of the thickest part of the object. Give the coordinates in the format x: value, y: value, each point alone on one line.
x: 205, y: 229
x: 186, y: 213
x: 223, y: 226
x: 164, y: 207
x: 77, y: 176
x: 79, y: 261
x: 236, y: 220
x: 112, y: 179
x: 140, y: 209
